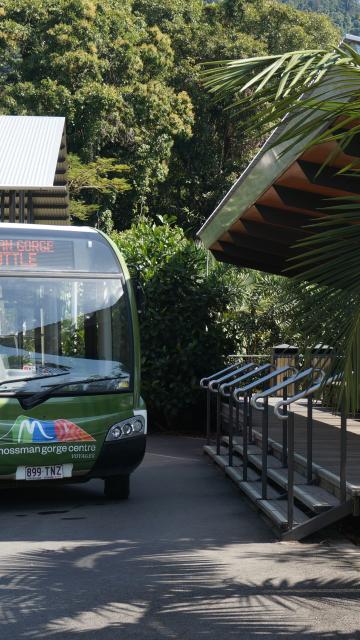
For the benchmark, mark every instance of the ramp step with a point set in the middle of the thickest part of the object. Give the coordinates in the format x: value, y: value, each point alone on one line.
x: 255, y: 456
x: 314, y: 497
x: 253, y: 449
x: 254, y: 453
x: 236, y: 474
x: 254, y: 491
x: 280, y: 476
x: 276, y: 510
x: 272, y: 463
x: 318, y: 522
x: 222, y: 460
x: 325, y: 506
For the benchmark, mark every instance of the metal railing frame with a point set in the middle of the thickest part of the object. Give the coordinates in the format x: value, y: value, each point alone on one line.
x: 244, y: 394
x: 227, y: 391
x: 204, y: 384
x: 289, y: 417
x: 225, y: 385
x: 211, y: 384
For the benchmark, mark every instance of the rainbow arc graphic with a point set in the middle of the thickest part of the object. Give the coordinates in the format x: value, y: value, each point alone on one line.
x: 31, y: 430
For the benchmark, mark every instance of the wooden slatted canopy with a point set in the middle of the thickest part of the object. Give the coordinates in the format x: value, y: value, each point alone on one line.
x: 269, y: 207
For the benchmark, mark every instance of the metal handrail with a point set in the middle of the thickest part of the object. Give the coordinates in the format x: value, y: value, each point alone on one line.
x: 218, y: 381
x: 205, y: 381
x: 282, y: 385
x: 225, y: 389
x: 238, y: 392
x: 317, y: 384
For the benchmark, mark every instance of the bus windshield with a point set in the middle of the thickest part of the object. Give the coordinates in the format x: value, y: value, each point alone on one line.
x: 71, y: 328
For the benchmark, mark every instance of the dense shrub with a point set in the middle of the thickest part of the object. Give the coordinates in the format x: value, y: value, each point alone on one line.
x: 182, y: 333
x: 195, y: 313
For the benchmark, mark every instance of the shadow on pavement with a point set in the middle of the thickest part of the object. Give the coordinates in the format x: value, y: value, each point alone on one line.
x: 185, y: 558
x: 128, y: 590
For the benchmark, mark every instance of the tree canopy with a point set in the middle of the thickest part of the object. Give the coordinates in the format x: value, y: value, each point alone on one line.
x: 126, y: 76
x: 344, y: 13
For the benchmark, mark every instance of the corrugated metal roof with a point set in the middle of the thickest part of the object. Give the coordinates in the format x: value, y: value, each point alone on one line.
x: 29, y: 151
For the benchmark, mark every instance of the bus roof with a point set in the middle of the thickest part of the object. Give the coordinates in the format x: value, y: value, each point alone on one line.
x: 50, y: 228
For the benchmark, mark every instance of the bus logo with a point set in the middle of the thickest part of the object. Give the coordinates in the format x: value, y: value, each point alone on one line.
x: 26, y: 430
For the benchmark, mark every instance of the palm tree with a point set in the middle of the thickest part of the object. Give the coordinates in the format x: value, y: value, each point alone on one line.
x: 317, y: 93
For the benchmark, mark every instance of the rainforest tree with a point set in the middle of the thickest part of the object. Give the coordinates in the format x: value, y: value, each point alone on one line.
x: 126, y: 76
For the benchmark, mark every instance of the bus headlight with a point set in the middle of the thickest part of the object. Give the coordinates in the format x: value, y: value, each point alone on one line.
x: 126, y: 428
x: 116, y: 432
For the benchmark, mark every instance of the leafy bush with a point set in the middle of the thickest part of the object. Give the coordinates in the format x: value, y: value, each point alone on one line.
x: 194, y: 314
x: 182, y: 333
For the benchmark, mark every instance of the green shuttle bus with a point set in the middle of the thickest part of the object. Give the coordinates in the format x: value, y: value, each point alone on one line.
x: 70, y: 404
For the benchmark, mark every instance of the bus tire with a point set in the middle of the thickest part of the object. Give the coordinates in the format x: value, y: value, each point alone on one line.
x: 117, y: 487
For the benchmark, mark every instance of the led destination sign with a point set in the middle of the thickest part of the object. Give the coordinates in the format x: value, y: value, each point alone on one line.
x: 23, y: 253
x: 37, y: 250
x: 35, y: 254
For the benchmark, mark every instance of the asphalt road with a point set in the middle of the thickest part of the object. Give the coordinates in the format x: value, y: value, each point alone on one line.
x: 184, y: 558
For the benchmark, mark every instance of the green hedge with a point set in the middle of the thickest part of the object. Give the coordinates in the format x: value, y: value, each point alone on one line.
x: 181, y: 322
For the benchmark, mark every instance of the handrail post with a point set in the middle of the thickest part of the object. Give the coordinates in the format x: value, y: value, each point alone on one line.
x: 237, y: 418
x: 265, y: 447
x: 231, y: 430
x: 284, y: 432
x: 250, y: 416
x: 218, y: 422
x: 309, y: 439
x: 343, y: 453
x: 245, y: 438
x: 291, y: 450
x: 208, y: 416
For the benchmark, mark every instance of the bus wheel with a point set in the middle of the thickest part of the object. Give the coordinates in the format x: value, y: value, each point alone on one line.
x: 117, y: 487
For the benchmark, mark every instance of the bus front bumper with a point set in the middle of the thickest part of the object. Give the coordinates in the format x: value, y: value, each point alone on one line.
x: 119, y: 458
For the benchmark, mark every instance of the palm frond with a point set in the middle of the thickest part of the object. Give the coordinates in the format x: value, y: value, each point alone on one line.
x: 273, y: 86
x: 317, y: 92
x: 331, y: 259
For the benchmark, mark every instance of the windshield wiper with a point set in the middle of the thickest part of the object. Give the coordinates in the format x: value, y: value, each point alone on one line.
x: 38, y: 398
x: 28, y: 378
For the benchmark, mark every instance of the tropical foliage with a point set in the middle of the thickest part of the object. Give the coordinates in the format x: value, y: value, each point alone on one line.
x: 93, y: 186
x: 344, y: 13
x: 193, y: 314
x: 319, y: 91
x: 125, y: 74
x: 149, y: 151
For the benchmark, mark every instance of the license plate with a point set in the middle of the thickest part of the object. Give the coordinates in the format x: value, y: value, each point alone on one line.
x: 48, y: 472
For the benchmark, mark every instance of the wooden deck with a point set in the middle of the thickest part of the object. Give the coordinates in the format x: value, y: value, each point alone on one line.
x: 326, y: 438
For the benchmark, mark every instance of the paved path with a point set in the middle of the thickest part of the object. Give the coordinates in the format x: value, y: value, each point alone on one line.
x: 185, y: 558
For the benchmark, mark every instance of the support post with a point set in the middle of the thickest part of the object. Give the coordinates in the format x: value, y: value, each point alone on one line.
x: 237, y: 417
x: 291, y: 449
x: 309, y: 439
x: 265, y: 447
x: 208, y: 416
x: 12, y: 206
x: 245, y: 438
x: 284, y: 433
x: 250, y: 416
x: 21, y: 206
x: 218, y: 422
x: 343, y: 452
x: 2, y: 217
x: 231, y: 430
x: 30, y: 216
